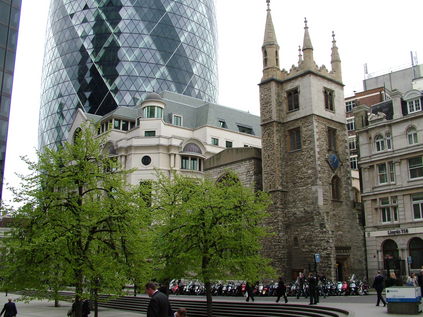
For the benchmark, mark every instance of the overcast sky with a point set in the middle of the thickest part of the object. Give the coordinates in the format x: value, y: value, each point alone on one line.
x: 375, y: 32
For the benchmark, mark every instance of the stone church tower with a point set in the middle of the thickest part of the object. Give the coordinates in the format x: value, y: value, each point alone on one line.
x: 306, y: 164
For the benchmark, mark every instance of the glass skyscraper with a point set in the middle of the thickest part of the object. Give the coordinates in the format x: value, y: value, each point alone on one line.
x: 101, y: 54
x: 10, y: 11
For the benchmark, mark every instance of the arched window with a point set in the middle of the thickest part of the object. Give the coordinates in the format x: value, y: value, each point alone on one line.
x: 412, y: 136
x: 388, y: 138
x: 265, y: 58
x: 191, y: 158
x: 415, y: 247
x: 380, y: 143
x: 336, y: 188
x: 390, y: 255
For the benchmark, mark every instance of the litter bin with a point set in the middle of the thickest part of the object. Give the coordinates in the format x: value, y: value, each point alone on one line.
x: 404, y: 300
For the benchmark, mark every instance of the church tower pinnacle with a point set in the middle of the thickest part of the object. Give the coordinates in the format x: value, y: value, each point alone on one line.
x: 270, y: 48
x: 335, y: 59
x: 308, y: 49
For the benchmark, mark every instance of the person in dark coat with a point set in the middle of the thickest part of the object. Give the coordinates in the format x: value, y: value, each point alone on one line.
x: 86, y: 308
x: 281, y: 291
x: 378, y: 285
x: 9, y: 309
x: 159, y: 305
x: 420, y: 281
x: 250, y: 292
x: 312, y: 288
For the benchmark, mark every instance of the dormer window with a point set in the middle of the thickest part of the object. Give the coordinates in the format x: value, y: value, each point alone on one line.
x: 153, y: 112
x: 177, y: 120
x: 244, y: 129
x: 222, y: 124
x: 414, y: 105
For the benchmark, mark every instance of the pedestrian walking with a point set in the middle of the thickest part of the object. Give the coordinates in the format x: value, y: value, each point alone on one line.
x: 281, y: 291
x: 250, y: 292
x: 86, y: 308
x: 420, y: 281
x: 9, y: 309
x: 300, y: 284
x: 159, y: 305
x: 312, y: 288
x: 378, y: 285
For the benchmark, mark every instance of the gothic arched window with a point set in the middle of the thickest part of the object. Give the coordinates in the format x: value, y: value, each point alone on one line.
x: 336, y: 188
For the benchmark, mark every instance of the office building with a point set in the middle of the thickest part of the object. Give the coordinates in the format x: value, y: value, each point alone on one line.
x: 169, y: 132
x: 9, y: 24
x: 390, y: 139
x: 103, y: 54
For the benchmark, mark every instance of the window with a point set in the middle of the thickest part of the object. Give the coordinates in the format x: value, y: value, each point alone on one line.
x: 153, y: 112
x: 293, y: 99
x: 352, y: 143
x: 294, y: 139
x: 386, y: 173
x: 350, y: 124
x: 350, y: 105
x: 353, y: 162
x: 125, y: 125
x: 416, y: 252
x: 150, y: 133
x: 388, y: 141
x: 418, y: 206
x: 116, y: 124
x: 146, y: 160
x: 329, y: 99
x: 414, y: 105
x: 264, y: 58
x: 388, y: 207
x: 215, y: 141
x: 412, y: 136
x: 332, y: 139
x: 177, y: 120
x: 382, y: 173
x: 222, y: 124
x: 336, y: 188
x: 380, y: 143
x: 191, y: 163
x: 228, y: 144
x: 245, y: 129
x: 415, y: 167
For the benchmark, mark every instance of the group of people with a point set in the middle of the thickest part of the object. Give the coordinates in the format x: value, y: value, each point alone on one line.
x: 379, y: 283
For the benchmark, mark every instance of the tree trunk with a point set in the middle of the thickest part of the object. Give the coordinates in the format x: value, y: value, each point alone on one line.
x: 209, y: 298
x: 207, y: 284
x: 96, y: 302
x: 78, y: 292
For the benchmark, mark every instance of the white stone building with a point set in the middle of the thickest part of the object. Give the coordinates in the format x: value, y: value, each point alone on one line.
x: 172, y: 132
x: 390, y: 138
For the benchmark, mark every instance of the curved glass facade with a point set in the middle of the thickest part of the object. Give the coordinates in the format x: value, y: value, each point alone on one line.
x: 103, y: 53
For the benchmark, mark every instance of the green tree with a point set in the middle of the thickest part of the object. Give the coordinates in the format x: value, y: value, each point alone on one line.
x: 80, y: 224
x: 209, y: 230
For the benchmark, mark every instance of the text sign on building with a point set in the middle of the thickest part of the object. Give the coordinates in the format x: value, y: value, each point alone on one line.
x: 397, y: 231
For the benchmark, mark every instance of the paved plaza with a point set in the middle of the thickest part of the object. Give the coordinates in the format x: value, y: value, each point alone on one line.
x: 358, y: 306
